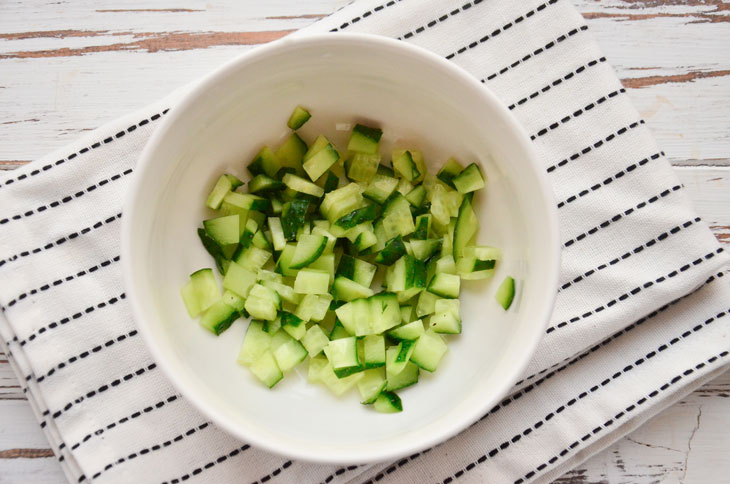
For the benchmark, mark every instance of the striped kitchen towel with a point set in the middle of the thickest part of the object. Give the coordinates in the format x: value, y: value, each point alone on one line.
x: 640, y: 320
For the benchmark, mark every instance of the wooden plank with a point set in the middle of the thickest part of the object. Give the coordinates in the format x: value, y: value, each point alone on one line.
x: 683, y: 444
x: 9, y: 387
x: 672, y: 53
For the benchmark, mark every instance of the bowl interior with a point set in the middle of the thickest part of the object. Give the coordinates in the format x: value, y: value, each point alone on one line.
x: 419, y: 103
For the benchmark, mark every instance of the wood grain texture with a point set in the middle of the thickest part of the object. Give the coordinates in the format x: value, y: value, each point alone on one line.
x: 70, y: 67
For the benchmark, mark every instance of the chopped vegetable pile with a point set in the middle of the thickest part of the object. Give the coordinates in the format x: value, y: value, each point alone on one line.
x: 343, y: 259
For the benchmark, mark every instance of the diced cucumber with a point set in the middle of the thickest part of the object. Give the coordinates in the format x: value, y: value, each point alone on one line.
x: 320, y: 162
x: 290, y: 153
x: 404, y: 165
x: 266, y: 369
x: 357, y: 270
x: 342, y: 354
x: 264, y: 184
x: 277, y: 233
x: 253, y: 258
x: 360, y: 215
x: 397, y: 218
x: 255, y: 343
x: 200, y: 292
x: 423, y: 227
x: 393, y: 250
x: 313, y: 307
x: 301, y: 185
x: 225, y: 184
x: 428, y: 351
x: 314, y: 340
x: 409, y: 332
x: 384, y: 312
x: 219, y: 317
x: 465, y: 228
x: 341, y: 202
x: 338, y: 385
x: 212, y: 247
x: 339, y: 331
x: 425, y: 249
x: 285, y: 292
x: 293, y: 216
x: 345, y: 289
x: 506, y: 292
x: 309, y: 248
x: 396, y: 357
x: 407, y: 377
x: 331, y: 182
x: 316, y: 147
x: 310, y: 281
x: 235, y: 301
x: 445, y: 285
x: 406, y: 273
x: 247, y: 201
x: 225, y: 232
x: 239, y: 279
x: 417, y: 196
x: 362, y: 167
x: 265, y: 162
x: 262, y: 303
x: 298, y: 117
x: 388, y: 402
x: 426, y: 303
x: 446, y: 317
x: 288, y: 352
x: 372, y: 348
x: 380, y: 188
x: 364, y: 139
x: 469, y: 180
x: 370, y: 385
x: 446, y: 264
x: 293, y: 325
x: 450, y: 169
x: 407, y: 314
x: 325, y: 263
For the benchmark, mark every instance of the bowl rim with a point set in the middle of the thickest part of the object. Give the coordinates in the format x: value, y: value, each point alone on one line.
x: 188, y: 99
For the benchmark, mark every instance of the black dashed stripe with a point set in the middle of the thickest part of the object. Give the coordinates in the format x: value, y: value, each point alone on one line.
x: 210, y: 464
x: 569, y: 361
x: 62, y: 240
x: 354, y: 20
x: 610, y: 179
x: 537, y: 52
x: 379, y: 476
x: 68, y: 319
x: 84, y: 354
x: 558, y: 81
x: 60, y: 281
x: 621, y: 215
x: 622, y: 414
x: 273, y: 473
x: 83, y: 150
x: 595, y: 145
x: 635, y: 291
x: 123, y: 420
x: 659, y: 238
x: 90, y: 394
x: 336, y: 473
x: 577, y: 113
x: 440, y: 19
x: 498, y: 31
x: 67, y: 198
x: 153, y: 448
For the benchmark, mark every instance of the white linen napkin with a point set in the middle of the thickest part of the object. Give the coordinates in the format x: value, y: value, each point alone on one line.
x: 640, y: 319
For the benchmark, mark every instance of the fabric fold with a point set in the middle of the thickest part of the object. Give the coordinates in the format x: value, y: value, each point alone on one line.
x: 641, y: 318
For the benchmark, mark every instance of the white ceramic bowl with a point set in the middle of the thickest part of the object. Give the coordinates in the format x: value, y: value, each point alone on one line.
x: 420, y: 100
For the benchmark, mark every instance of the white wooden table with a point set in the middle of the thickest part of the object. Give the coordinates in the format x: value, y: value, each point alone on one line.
x: 67, y: 67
